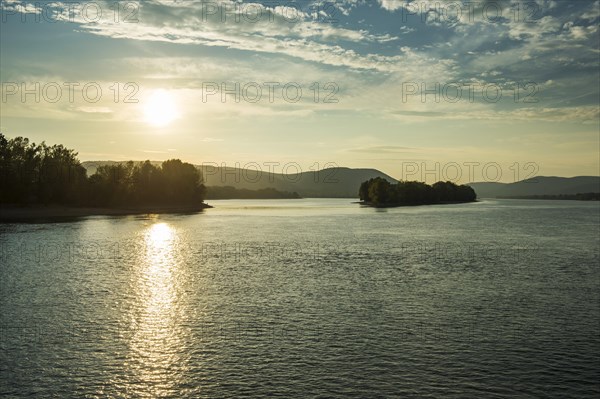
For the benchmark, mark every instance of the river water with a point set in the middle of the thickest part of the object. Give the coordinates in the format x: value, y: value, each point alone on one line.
x: 306, y: 298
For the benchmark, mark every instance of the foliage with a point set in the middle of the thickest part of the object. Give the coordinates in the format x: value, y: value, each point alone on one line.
x: 31, y: 173
x: 39, y: 174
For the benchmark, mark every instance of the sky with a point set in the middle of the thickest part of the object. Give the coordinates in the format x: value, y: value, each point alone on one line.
x: 421, y: 90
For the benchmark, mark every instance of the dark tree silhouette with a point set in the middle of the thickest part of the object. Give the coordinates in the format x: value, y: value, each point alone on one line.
x: 40, y: 174
x: 380, y: 192
x: 32, y: 173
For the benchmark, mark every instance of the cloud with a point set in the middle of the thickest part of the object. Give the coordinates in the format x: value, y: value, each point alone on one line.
x: 369, y: 66
x: 153, y: 151
x: 95, y: 110
x: 210, y: 140
x: 229, y: 24
x: 587, y: 115
x: 388, y: 149
x: 18, y: 6
x: 392, y: 5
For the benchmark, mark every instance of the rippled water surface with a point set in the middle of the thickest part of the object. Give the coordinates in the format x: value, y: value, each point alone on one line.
x: 306, y: 298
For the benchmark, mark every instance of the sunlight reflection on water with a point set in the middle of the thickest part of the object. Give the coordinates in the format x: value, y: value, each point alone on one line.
x: 154, y: 344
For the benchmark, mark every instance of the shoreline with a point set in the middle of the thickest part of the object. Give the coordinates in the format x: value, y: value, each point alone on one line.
x: 370, y: 205
x: 24, y: 214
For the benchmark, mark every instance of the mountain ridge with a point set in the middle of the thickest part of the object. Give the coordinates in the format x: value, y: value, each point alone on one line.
x: 540, y: 185
x: 338, y: 182
x: 344, y: 182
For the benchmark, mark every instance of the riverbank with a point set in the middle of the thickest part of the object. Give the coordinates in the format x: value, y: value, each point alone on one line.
x: 18, y: 214
x: 394, y: 205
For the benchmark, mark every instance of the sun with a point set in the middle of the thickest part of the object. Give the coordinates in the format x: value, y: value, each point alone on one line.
x: 160, y: 109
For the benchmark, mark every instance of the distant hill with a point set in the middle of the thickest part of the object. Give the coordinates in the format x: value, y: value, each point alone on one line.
x: 539, y: 186
x: 326, y: 183
x: 228, y: 192
x: 345, y: 182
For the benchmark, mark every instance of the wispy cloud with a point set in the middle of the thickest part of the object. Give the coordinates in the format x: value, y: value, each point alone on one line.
x: 387, y: 149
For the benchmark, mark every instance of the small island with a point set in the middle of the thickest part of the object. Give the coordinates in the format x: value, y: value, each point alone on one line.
x: 380, y: 193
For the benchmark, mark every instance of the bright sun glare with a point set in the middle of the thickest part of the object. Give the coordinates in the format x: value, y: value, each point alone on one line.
x: 160, y: 109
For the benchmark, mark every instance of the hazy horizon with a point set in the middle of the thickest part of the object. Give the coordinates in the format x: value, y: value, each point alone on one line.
x: 383, y: 83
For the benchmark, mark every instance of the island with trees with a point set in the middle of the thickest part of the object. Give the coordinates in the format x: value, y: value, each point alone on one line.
x: 380, y: 193
x: 39, y: 180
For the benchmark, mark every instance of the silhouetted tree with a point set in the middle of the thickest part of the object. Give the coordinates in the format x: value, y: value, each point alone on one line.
x: 40, y: 174
x: 183, y: 182
x: 32, y: 173
x: 380, y: 191
x: 363, y: 192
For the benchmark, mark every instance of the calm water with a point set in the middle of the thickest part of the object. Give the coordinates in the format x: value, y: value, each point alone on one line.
x: 306, y: 298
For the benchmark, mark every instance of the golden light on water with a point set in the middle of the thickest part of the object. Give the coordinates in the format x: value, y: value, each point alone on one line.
x: 155, y: 342
x: 158, y: 276
x: 159, y: 235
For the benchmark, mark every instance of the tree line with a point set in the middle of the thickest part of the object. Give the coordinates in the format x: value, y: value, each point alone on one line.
x: 229, y: 192
x: 380, y: 192
x: 52, y: 175
x: 571, y: 197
